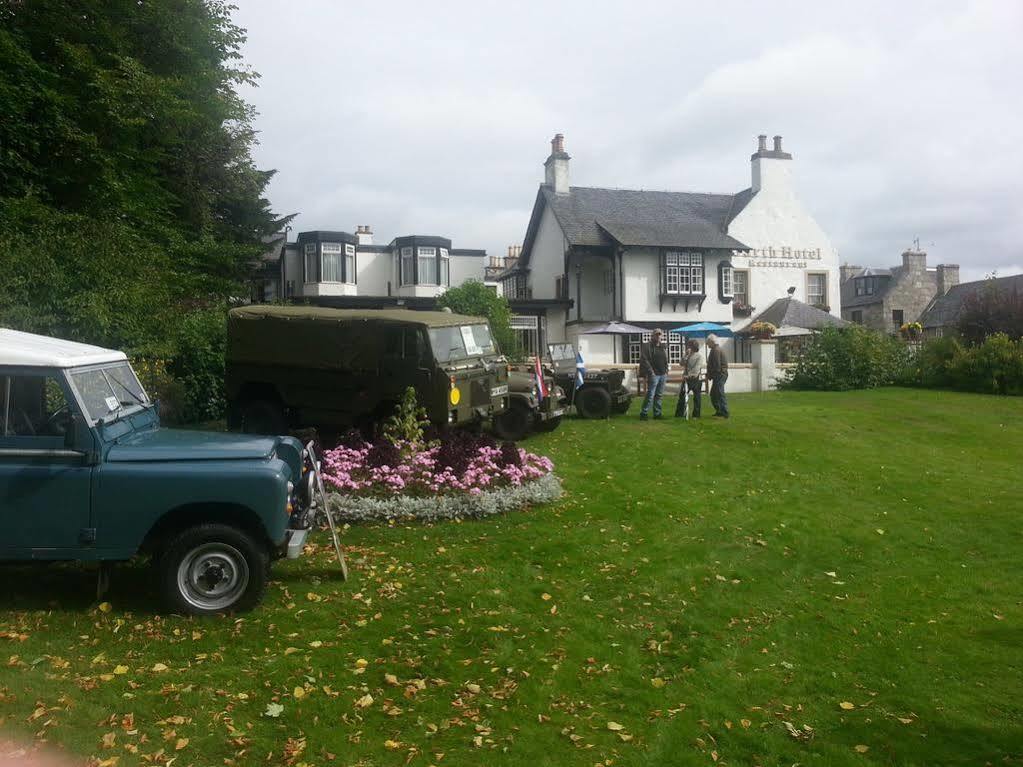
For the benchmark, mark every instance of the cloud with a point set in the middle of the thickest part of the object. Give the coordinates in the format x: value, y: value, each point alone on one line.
x: 904, y: 120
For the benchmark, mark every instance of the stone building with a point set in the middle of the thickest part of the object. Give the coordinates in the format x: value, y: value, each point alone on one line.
x: 886, y: 299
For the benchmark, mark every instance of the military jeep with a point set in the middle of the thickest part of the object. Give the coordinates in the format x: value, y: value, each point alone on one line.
x: 527, y: 411
x: 290, y: 367
x: 602, y: 392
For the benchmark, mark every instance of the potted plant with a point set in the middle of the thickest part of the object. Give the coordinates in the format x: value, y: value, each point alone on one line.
x: 911, y: 331
x: 762, y: 330
x: 740, y: 309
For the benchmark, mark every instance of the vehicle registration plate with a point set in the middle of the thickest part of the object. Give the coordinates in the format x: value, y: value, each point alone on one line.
x: 499, y: 391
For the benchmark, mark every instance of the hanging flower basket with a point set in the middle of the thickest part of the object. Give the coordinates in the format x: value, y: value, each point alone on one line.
x: 911, y: 331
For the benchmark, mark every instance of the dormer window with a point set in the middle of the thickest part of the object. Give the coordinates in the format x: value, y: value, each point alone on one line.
x: 866, y: 286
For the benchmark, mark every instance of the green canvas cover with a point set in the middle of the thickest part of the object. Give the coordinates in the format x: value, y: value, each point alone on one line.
x: 320, y: 337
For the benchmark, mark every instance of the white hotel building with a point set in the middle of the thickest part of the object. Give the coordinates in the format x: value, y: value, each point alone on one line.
x: 664, y: 259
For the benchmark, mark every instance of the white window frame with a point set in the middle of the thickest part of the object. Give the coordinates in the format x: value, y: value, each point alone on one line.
x: 349, y: 272
x: 445, y: 267
x: 406, y: 267
x: 823, y: 276
x: 683, y: 273
x: 331, y: 261
x: 696, y: 274
x: 740, y: 275
x: 727, y: 282
x: 426, y: 253
x: 310, y: 252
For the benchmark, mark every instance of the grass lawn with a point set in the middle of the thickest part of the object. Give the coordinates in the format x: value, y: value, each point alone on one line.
x: 825, y: 579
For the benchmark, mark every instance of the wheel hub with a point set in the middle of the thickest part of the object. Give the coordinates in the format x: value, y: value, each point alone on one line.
x: 213, y: 576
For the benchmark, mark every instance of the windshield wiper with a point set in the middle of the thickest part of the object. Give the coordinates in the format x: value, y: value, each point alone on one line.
x: 133, y: 395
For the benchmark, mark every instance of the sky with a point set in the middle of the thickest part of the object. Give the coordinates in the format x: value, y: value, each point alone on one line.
x: 905, y: 120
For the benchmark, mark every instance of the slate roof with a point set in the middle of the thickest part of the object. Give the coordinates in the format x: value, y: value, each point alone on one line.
x: 593, y: 216
x: 944, y: 310
x: 848, y: 288
x: 790, y: 312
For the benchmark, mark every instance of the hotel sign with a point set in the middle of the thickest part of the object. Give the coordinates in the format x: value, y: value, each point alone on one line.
x: 779, y: 257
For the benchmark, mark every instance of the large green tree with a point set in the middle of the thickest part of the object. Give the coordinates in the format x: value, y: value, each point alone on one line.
x: 475, y: 298
x: 128, y: 194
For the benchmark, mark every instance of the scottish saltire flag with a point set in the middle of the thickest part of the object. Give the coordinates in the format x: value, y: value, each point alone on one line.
x: 541, y: 386
x: 580, y: 370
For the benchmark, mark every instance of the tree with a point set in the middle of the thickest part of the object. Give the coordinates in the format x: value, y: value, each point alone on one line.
x: 126, y: 175
x: 475, y: 298
x: 994, y: 308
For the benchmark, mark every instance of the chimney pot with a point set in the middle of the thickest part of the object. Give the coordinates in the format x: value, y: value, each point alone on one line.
x: 761, y: 143
x: 777, y: 144
x: 558, y: 144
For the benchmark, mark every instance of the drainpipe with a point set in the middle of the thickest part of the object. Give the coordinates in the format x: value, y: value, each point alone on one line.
x: 578, y: 289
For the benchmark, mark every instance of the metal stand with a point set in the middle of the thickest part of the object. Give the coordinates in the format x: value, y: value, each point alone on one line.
x: 321, y: 491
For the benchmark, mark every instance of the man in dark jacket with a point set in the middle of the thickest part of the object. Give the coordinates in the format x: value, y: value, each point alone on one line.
x: 717, y: 372
x: 653, y: 366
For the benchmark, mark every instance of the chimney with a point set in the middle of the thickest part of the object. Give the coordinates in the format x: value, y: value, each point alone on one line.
x: 770, y: 168
x: 914, y: 260
x: 846, y: 272
x: 948, y: 276
x: 556, y: 166
x: 365, y: 235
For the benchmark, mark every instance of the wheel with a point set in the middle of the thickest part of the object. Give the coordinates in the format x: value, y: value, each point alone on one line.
x: 213, y: 568
x: 261, y: 416
x: 592, y: 402
x: 515, y: 422
x: 622, y: 407
x: 549, y: 425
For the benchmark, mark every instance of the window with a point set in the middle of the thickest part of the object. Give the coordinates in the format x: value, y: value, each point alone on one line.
x: 727, y: 282
x: 898, y: 318
x: 740, y: 287
x: 683, y: 273
x: 310, y: 262
x: 408, y: 267
x: 350, y: 264
x: 817, y: 289
x: 636, y: 341
x: 427, y: 266
x: 857, y: 317
x: 866, y: 286
x: 32, y: 406
x: 560, y: 286
x: 445, y: 267
x: 109, y: 390
x: 330, y: 262
x: 289, y: 288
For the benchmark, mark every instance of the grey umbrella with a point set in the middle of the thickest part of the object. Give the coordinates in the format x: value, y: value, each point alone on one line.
x: 615, y: 329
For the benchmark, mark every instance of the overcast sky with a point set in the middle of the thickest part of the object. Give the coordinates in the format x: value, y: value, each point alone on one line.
x: 904, y: 119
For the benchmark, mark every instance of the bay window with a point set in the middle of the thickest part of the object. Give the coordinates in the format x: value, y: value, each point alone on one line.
x: 445, y: 267
x: 310, y: 262
x: 330, y: 262
x: 427, y: 266
x: 350, y: 264
x: 408, y: 267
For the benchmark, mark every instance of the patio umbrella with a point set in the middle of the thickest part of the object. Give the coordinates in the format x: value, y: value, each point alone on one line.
x: 615, y: 329
x: 703, y: 329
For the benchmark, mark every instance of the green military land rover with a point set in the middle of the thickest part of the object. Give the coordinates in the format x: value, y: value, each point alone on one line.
x: 306, y: 366
x: 87, y: 473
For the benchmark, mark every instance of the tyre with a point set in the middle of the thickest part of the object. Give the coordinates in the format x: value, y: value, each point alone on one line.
x: 212, y: 568
x: 515, y: 422
x: 592, y: 402
x: 262, y: 416
x: 549, y: 425
x: 621, y: 408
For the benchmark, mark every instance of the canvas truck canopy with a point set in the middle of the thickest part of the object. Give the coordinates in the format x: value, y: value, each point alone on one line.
x: 320, y: 337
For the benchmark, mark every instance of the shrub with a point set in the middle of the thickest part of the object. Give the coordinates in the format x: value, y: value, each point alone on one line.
x: 198, y: 364
x: 838, y: 359
x: 161, y: 387
x: 476, y: 299
x: 992, y: 367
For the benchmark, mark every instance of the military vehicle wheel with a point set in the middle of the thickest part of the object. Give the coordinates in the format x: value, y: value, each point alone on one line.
x: 593, y: 403
x: 213, y: 568
x: 549, y: 425
x: 261, y: 416
x: 515, y: 422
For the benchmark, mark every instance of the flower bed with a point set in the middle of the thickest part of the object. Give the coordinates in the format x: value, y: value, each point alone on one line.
x: 459, y: 475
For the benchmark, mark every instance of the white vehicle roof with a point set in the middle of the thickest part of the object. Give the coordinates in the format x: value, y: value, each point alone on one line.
x: 31, y: 350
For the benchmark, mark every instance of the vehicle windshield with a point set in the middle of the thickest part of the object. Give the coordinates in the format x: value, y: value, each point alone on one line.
x: 462, y: 341
x: 110, y: 391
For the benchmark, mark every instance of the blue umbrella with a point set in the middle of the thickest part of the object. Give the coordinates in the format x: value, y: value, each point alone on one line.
x: 703, y: 329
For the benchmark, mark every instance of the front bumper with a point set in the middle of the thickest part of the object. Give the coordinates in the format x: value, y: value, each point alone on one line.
x: 622, y: 396
x: 294, y: 543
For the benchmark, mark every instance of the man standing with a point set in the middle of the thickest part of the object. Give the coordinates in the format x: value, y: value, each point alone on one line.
x: 692, y: 384
x: 654, y: 366
x: 717, y: 372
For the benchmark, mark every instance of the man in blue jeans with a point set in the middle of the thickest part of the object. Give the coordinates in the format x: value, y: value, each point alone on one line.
x: 654, y: 366
x: 717, y: 372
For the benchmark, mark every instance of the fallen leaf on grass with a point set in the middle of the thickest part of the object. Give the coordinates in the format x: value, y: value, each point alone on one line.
x: 298, y: 692
x: 861, y: 749
x: 105, y: 607
x: 273, y: 710
x: 365, y: 701
x: 657, y: 682
x: 904, y: 720
x: 158, y: 667
x: 391, y: 679
x: 615, y: 727
x: 392, y: 744
x: 181, y: 743
x: 120, y: 670
x: 846, y: 705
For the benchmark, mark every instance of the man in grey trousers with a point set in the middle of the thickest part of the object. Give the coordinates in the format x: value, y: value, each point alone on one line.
x: 717, y: 372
